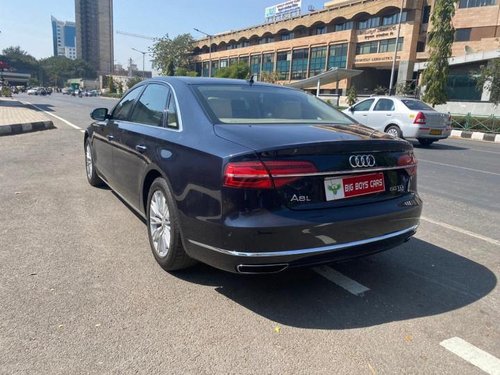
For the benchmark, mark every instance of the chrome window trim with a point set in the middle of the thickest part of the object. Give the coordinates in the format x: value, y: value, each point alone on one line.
x: 313, y: 250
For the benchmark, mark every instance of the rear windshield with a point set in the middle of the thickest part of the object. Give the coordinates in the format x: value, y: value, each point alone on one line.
x: 259, y: 104
x: 416, y: 105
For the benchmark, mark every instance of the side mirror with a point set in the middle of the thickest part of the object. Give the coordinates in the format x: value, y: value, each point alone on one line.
x: 99, y: 114
x: 351, y: 109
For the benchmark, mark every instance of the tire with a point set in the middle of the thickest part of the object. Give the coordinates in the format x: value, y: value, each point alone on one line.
x: 394, y: 131
x: 163, y: 228
x: 90, y: 170
x: 425, y: 141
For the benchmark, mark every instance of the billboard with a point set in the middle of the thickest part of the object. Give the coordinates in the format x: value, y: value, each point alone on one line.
x: 281, y: 10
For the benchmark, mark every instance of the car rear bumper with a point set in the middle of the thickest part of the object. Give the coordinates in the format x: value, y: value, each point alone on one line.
x: 427, y: 133
x: 273, y: 243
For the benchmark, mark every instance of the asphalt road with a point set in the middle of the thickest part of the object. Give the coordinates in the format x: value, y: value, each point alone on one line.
x: 80, y: 291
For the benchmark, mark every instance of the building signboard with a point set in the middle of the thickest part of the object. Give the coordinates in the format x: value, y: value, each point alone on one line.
x: 283, y: 10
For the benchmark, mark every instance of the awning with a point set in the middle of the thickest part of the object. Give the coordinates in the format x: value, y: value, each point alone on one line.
x: 330, y: 76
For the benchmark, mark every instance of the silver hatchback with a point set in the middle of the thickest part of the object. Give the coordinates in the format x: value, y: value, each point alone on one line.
x: 402, y: 117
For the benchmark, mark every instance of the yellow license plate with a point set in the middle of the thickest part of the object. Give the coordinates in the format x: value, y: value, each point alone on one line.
x: 436, y: 132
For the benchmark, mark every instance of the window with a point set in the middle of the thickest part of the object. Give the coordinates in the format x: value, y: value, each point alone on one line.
x: 318, y: 61
x: 393, y: 19
x: 247, y: 104
x: 287, y: 36
x: 123, y: 108
x: 172, y: 119
x: 320, y: 30
x: 366, y: 47
x: 369, y: 23
x: 299, y: 63
x: 427, y: 14
x: 223, y: 63
x: 462, y: 35
x: 344, y: 26
x: 384, y: 105
x: 338, y: 56
x: 388, y: 45
x: 475, y: 3
x: 150, y: 107
x: 283, y: 64
x: 255, y: 64
x: 364, y: 105
x: 244, y: 59
x: 416, y: 105
x: 268, y: 62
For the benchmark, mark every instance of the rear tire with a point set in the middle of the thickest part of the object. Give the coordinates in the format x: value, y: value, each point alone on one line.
x: 90, y: 170
x: 163, y: 228
x: 425, y: 141
x: 394, y: 131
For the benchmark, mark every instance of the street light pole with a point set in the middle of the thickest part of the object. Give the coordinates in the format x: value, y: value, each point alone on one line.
x: 210, y: 36
x: 143, y: 56
x: 396, y: 48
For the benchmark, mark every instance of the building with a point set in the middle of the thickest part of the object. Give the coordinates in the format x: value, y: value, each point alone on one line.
x: 359, y: 34
x: 64, y: 38
x: 94, y: 33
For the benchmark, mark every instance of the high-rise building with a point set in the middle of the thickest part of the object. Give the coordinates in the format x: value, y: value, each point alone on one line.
x: 94, y: 33
x: 63, y: 38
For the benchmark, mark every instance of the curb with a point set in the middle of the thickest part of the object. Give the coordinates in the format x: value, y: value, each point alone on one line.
x: 475, y: 136
x: 26, y: 128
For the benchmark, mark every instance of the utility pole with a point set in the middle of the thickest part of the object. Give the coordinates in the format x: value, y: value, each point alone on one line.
x: 143, y: 56
x: 396, y: 48
x: 210, y: 36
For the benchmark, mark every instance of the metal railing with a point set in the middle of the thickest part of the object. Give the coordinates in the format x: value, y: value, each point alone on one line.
x: 469, y: 122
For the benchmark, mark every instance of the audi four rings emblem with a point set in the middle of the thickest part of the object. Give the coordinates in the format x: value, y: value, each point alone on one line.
x: 362, y: 161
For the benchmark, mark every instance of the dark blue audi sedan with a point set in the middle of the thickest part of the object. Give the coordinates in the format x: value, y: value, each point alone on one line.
x: 251, y: 177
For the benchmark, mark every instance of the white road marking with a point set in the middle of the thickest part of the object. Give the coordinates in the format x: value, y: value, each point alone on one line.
x: 57, y: 117
x: 471, y: 354
x: 463, y: 231
x: 457, y: 166
x: 341, y: 280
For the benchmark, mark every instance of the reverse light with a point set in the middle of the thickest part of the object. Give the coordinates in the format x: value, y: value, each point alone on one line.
x: 420, y: 119
x: 265, y: 175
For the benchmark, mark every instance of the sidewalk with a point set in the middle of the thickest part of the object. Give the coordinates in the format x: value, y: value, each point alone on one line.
x: 17, y: 118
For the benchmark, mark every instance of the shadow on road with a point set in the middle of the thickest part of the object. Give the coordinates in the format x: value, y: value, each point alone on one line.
x: 415, y: 280
x: 436, y: 146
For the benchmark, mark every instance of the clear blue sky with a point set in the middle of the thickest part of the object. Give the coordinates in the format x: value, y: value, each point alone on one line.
x: 26, y: 23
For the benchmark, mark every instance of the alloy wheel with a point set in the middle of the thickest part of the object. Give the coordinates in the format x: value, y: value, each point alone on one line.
x: 159, y: 223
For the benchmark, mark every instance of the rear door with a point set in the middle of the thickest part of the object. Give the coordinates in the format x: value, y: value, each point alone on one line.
x: 382, y: 114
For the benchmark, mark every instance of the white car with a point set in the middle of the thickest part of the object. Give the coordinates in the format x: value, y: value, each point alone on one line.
x: 32, y: 91
x: 402, y: 117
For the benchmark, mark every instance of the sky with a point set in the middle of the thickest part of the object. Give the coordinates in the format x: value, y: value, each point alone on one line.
x: 26, y: 23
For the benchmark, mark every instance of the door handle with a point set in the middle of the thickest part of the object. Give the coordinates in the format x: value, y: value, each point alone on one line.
x: 388, y: 115
x: 141, y: 148
x: 110, y: 137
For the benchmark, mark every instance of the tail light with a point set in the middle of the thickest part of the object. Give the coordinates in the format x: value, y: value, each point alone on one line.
x: 419, y: 119
x: 408, y: 160
x: 265, y: 175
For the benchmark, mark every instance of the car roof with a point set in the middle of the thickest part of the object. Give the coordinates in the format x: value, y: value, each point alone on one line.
x: 205, y: 80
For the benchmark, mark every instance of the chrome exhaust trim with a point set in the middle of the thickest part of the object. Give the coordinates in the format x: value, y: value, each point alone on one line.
x: 258, y: 269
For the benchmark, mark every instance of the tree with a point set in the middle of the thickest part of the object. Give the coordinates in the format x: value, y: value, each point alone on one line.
x: 240, y: 70
x: 352, y: 96
x: 269, y: 77
x: 19, y: 60
x: 177, y: 52
x: 489, y: 78
x: 435, y: 75
x: 183, y: 72
x: 131, y: 82
x: 58, y: 69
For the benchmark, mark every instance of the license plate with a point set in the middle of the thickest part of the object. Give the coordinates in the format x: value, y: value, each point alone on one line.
x: 353, y: 186
x: 436, y: 132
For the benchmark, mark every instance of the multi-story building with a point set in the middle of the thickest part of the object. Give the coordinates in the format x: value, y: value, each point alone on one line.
x: 94, y: 33
x: 359, y: 34
x: 63, y: 38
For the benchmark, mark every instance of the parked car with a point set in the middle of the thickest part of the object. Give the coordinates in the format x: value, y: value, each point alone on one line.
x: 251, y: 177
x: 402, y: 117
x: 32, y: 91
